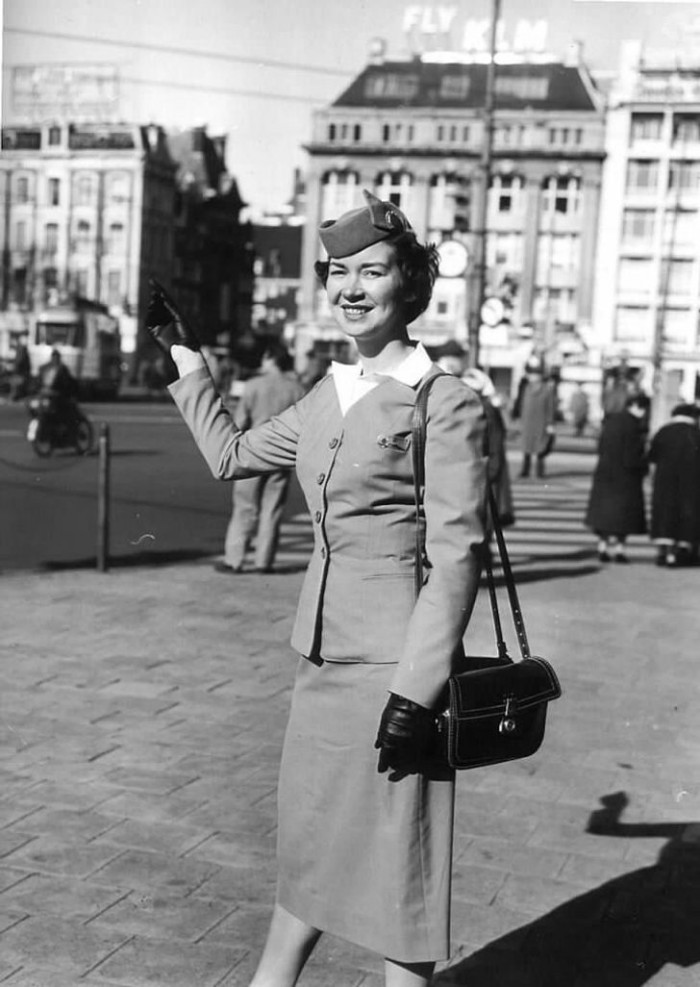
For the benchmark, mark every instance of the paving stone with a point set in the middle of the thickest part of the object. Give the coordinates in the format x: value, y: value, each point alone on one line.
x: 65, y: 947
x: 164, y: 916
x: 514, y: 859
x: 140, y: 869
x: 65, y: 897
x: 142, y: 962
x: 51, y: 855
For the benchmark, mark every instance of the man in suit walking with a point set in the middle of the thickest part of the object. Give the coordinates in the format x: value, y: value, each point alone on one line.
x: 258, y: 502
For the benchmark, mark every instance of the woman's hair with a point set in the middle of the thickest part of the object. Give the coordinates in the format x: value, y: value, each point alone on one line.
x: 418, y: 264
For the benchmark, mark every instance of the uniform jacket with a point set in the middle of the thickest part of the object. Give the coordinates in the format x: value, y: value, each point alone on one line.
x: 616, y: 503
x: 358, y: 600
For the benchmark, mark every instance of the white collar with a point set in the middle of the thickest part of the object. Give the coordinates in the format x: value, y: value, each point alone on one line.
x: 410, y: 371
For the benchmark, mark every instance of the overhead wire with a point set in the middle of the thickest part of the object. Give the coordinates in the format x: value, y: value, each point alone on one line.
x: 178, y: 50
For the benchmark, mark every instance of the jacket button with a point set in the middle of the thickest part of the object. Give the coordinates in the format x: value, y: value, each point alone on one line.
x: 320, y: 478
x: 333, y: 443
x: 318, y: 516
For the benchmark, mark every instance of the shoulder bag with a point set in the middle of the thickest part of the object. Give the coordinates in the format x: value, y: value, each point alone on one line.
x: 495, y: 709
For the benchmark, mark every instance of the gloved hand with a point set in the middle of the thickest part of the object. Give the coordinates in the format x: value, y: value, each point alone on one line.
x: 406, y: 730
x: 166, y: 323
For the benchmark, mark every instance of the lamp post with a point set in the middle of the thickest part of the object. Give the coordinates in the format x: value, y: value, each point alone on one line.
x: 480, y: 269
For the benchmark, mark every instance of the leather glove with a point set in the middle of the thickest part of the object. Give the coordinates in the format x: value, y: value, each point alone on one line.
x: 405, y: 732
x: 166, y: 323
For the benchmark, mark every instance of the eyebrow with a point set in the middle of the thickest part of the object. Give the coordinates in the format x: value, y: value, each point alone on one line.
x: 373, y: 263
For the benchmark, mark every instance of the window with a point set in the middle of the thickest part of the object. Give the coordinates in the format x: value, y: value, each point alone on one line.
x: 21, y: 236
x: 449, y: 204
x: 386, y: 133
x: 506, y: 191
x: 440, y: 133
x: 82, y: 235
x: 465, y: 134
x: 676, y: 277
x: 635, y: 275
x: 646, y: 126
x: 681, y: 229
x: 54, y: 191
x: 578, y: 135
x: 84, y: 185
x: 114, y: 284
x: 340, y: 192
x: 678, y: 325
x: 115, y: 238
x: 411, y: 132
x: 22, y: 190
x: 639, y: 224
x: 54, y: 136
x: 396, y: 187
x: 343, y: 131
x: 331, y: 131
x: 684, y: 176
x: 642, y: 176
x: 633, y: 324
x: 357, y: 132
x: 51, y: 238
x: 686, y: 129
x: 561, y: 195
x: 81, y: 283
x: 118, y: 189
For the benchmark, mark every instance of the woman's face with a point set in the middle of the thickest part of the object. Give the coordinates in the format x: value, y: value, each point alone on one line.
x: 365, y: 292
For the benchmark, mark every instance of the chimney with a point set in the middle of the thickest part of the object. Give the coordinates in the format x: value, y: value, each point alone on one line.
x: 574, y: 55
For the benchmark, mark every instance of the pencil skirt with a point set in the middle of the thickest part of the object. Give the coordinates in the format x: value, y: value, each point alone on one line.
x: 360, y: 856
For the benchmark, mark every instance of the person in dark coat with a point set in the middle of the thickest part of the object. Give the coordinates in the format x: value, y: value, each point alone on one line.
x: 675, y: 504
x: 537, y: 414
x: 616, y: 502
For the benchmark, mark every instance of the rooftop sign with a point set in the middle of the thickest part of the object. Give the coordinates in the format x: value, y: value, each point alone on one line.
x: 439, y: 27
x: 53, y: 93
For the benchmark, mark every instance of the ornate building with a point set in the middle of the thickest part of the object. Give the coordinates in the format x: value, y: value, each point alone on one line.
x: 413, y: 132
x: 83, y: 205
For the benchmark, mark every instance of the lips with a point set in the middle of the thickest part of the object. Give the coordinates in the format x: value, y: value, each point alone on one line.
x: 355, y: 311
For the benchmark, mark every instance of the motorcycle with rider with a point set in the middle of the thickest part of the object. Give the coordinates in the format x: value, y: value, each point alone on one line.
x: 56, y: 419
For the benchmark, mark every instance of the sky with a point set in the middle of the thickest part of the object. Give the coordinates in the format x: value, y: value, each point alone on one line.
x: 255, y: 70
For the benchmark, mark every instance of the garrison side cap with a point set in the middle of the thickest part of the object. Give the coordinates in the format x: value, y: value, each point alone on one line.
x: 360, y: 228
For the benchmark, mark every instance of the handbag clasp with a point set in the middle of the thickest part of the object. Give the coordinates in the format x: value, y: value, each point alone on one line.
x: 508, y: 724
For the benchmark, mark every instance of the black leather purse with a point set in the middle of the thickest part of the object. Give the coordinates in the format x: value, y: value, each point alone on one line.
x: 494, y: 709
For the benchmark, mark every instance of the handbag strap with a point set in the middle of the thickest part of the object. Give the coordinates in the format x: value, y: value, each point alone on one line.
x: 420, y: 412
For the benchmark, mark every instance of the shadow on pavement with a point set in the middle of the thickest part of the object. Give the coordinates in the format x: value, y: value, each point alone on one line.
x: 618, y: 935
x: 130, y: 561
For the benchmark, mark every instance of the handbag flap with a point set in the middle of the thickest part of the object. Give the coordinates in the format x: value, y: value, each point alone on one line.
x: 485, y: 691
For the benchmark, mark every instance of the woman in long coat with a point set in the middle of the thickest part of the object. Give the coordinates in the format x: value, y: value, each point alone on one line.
x: 675, y: 503
x: 364, y: 838
x: 616, y: 502
x: 537, y: 415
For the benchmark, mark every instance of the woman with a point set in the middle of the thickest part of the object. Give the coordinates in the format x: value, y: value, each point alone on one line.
x: 364, y: 839
x: 675, y: 501
x: 537, y: 414
x: 616, y: 502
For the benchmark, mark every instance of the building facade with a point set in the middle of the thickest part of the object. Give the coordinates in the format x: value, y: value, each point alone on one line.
x: 647, y: 302
x: 412, y: 132
x: 83, y: 205
x: 94, y: 210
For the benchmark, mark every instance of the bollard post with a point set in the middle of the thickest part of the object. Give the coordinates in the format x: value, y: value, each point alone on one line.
x: 103, y: 500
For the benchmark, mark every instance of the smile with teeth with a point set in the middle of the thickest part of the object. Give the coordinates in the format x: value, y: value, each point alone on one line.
x: 355, y: 311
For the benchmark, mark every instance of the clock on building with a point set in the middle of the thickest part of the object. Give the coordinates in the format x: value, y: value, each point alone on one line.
x: 453, y: 258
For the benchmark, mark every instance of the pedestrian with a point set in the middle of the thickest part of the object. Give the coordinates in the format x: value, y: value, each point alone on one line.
x: 616, y: 501
x: 21, y: 373
x: 579, y: 408
x: 498, y: 470
x: 258, y: 501
x: 537, y: 415
x: 675, y: 503
x: 364, y: 839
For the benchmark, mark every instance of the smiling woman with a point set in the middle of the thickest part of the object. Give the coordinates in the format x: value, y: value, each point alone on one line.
x: 364, y: 838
